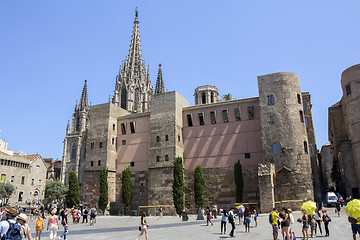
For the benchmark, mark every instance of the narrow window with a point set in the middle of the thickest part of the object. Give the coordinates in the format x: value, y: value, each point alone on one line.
x: 32, y: 181
x: 203, y: 98
x: 113, y: 127
x: 37, y: 168
x: 100, y: 144
x: 157, y: 139
x: 310, y: 151
x: 22, y: 180
x: 306, y: 122
x: 348, y: 89
x: 247, y: 155
x: 213, y: 117
x: 3, y: 177
x: 132, y: 127
x: 304, y: 105
x: 270, y: 100
x: 179, y: 138
x: 92, y: 145
x: 299, y: 98
x: 20, y: 196
x: 123, y: 128
x: 305, y: 147
x: 272, y: 119
x: 73, y: 151
x: 12, y: 178
x: 99, y: 163
x: 275, y: 148
x: 123, y: 142
x: 92, y: 163
x: 212, y: 97
x: 39, y: 182
x: 301, y: 116
x: 201, y: 118
x: 225, y: 115
x: 190, y: 120
x: 132, y: 164
x: 166, y: 158
x: 166, y: 138
x: 113, y: 141
x: 237, y: 114
x: 158, y: 158
x: 251, y: 112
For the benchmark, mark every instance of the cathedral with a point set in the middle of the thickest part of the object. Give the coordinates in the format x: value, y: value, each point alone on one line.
x: 272, y: 135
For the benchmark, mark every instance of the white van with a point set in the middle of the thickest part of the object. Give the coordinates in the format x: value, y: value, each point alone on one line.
x: 331, y: 199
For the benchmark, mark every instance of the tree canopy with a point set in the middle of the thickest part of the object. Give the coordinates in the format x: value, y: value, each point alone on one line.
x: 6, y: 189
x: 55, y: 191
x: 74, y: 190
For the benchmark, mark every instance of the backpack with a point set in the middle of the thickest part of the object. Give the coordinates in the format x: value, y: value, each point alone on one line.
x: 352, y: 220
x: 14, y: 232
x: 270, y: 218
x: 86, y: 212
x: 39, y: 224
x: 327, y: 218
x: 231, y: 218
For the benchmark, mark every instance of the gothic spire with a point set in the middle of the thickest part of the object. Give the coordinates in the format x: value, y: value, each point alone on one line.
x: 84, y: 100
x: 134, y: 58
x: 159, y: 88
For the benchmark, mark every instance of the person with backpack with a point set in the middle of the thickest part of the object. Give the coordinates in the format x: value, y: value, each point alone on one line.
x: 85, y: 215
x: 274, y: 221
x: 326, y: 220
x: 64, y: 214
x: 39, y: 226
x: 10, y: 229
x: 53, y: 223
x: 93, y: 215
x: 25, y: 229
x: 231, y: 218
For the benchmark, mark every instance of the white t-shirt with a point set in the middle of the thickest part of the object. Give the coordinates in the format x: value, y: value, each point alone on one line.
x: 5, y: 226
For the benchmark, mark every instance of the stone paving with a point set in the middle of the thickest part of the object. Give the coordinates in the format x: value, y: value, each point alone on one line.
x: 167, y: 228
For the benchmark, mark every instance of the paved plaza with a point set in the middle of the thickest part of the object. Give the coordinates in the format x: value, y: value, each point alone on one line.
x: 167, y: 228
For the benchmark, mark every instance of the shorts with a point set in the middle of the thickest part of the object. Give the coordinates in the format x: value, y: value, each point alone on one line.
x: 241, y: 215
x: 275, y: 228
x: 143, y: 227
x: 355, y: 228
x: 291, y: 225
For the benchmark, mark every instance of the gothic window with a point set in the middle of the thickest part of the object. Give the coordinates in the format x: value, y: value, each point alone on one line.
x: 203, y: 98
x: 190, y: 120
x: 73, y: 151
x: 166, y: 158
x: 136, y: 100
x: 301, y: 116
x: 201, y: 118
x: 348, y: 89
x: 225, y: 115
x: 251, y: 112
x: 270, y: 100
x: 132, y: 127
x: 275, y: 148
x: 272, y: 119
x: 123, y: 128
x: 305, y: 147
x: 77, y: 124
x: 212, y: 97
x: 237, y: 114
x: 299, y: 98
x: 123, y: 98
x: 213, y: 117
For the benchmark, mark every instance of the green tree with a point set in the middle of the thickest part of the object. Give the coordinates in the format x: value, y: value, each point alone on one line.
x: 239, y: 181
x: 178, y: 186
x: 54, y: 191
x: 74, y: 190
x: 104, y: 196
x: 199, y: 182
x: 126, y: 189
x: 6, y: 190
x: 226, y: 97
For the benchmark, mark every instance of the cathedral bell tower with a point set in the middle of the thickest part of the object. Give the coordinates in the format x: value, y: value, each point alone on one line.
x: 133, y: 88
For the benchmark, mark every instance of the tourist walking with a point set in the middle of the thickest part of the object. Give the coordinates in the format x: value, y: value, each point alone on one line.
x: 312, y: 224
x: 223, y: 221
x: 247, y: 219
x: 241, y: 210
x: 255, y: 216
x: 160, y: 212
x: 326, y: 220
x: 274, y: 220
x: 208, y: 216
x: 318, y: 220
x: 11, y: 213
x: 355, y: 228
x: 53, y: 224
x: 64, y: 221
x: 39, y: 226
x: 25, y: 229
x: 305, y: 222
x: 285, y: 223
x: 93, y: 214
x: 231, y: 217
x: 144, y: 227
x: 292, y: 221
x: 337, y: 208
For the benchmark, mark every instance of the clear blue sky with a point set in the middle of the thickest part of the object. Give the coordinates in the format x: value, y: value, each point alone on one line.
x: 48, y: 49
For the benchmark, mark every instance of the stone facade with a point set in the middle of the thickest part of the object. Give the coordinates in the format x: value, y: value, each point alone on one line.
x: 344, y: 132
x: 146, y: 131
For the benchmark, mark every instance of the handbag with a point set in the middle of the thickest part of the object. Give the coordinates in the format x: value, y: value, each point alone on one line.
x: 139, y: 228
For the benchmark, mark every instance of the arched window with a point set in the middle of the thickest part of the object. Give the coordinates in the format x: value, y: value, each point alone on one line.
x: 37, y: 168
x: 20, y: 196
x: 203, y: 98
x: 212, y: 97
x: 73, y: 151
x: 99, y: 163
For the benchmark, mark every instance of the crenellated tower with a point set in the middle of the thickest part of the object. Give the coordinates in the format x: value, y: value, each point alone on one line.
x: 133, y: 88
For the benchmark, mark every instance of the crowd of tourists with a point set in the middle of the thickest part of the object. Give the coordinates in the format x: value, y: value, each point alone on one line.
x: 14, y: 221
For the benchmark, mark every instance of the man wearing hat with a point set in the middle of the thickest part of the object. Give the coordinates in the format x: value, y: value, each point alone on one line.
x: 25, y: 230
x: 11, y: 213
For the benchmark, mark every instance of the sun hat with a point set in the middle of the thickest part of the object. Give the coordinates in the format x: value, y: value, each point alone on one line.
x: 22, y: 216
x: 11, y: 211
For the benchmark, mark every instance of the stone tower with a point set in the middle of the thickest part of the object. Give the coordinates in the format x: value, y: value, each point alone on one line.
x: 75, y: 139
x: 133, y: 88
x: 284, y: 137
x: 206, y: 94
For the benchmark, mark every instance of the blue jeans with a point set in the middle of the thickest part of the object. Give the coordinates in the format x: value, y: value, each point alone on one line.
x: 65, y: 232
